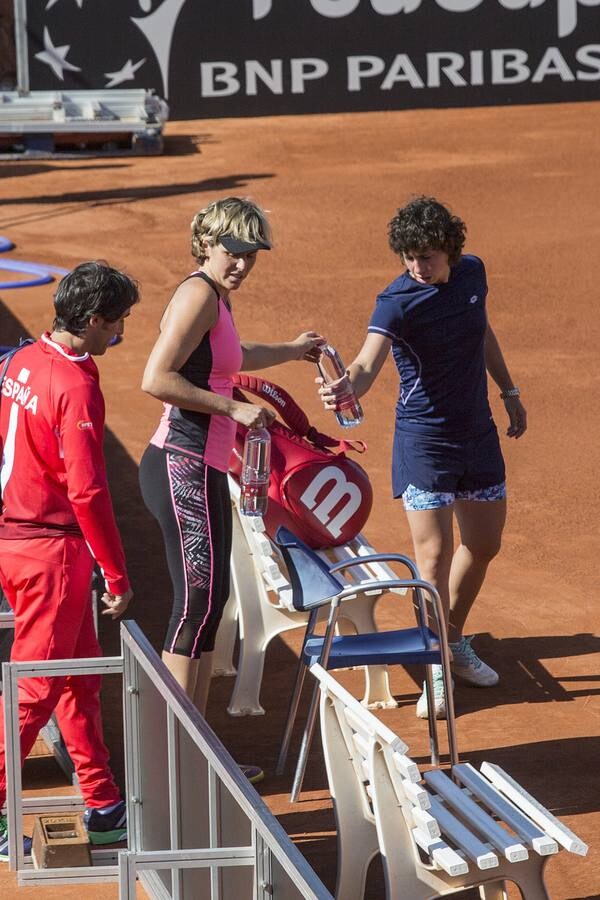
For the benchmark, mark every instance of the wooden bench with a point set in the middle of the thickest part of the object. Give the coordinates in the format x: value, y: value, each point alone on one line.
x: 436, y: 834
x: 260, y: 607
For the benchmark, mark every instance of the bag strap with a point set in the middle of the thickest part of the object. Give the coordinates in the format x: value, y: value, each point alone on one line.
x: 8, y: 356
x: 292, y: 414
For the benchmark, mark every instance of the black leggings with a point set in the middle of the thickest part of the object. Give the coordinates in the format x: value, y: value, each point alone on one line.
x: 192, y: 505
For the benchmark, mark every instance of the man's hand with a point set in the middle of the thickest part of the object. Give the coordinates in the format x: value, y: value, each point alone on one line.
x: 116, y: 603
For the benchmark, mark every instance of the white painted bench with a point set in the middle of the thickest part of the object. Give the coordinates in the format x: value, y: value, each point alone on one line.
x: 436, y: 834
x: 103, y: 110
x: 260, y: 606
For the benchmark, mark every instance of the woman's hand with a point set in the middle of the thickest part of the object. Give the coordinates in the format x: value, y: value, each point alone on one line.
x: 308, y: 346
x: 252, y: 416
x: 261, y: 356
x: 517, y: 415
x: 332, y: 392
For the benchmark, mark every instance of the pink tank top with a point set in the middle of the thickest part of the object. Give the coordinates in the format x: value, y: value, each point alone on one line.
x: 210, y: 366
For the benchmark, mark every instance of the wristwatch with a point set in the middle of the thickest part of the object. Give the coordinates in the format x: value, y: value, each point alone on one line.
x: 510, y: 392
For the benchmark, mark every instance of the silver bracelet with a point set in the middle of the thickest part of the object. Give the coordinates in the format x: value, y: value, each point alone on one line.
x: 510, y: 392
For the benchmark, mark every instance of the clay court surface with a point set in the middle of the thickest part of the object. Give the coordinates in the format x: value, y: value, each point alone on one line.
x: 525, y: 179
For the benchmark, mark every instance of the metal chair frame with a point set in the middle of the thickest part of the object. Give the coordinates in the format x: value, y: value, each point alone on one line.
x: 322, y: 587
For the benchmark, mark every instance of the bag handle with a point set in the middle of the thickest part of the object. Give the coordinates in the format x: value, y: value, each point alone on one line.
x: 292, y: 414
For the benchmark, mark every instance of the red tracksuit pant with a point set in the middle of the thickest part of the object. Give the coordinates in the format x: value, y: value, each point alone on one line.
x: 47, y: 583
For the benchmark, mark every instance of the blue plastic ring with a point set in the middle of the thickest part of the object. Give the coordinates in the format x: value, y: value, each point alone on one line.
x: 42, y: 274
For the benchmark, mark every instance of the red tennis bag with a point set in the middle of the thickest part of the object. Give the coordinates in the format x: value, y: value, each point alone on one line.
x: 314, y: 489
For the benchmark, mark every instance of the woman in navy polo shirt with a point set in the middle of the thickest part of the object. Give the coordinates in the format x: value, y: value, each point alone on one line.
x: 446, y: 457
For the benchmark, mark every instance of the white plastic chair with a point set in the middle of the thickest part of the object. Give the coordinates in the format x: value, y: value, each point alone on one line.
x: 260, y: 606
x: 437, y: 835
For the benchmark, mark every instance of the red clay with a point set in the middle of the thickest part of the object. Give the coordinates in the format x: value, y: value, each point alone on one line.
x: 524, y: 180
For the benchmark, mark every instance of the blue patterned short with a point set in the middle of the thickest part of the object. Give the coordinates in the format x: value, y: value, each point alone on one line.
x: 414, y: 498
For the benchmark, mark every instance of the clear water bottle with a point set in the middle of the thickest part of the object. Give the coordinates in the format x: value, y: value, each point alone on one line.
x: 349, y: 412
x: 254, y: 478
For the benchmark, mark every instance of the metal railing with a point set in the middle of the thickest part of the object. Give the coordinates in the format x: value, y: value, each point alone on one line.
x: 197, y: 828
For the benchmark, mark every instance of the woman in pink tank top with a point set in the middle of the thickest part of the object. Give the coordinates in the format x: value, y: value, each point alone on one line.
x: 183, y: 473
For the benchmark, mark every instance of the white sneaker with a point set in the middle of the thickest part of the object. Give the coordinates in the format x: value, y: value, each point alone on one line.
x: 467, y: 666
x: 439, y: 696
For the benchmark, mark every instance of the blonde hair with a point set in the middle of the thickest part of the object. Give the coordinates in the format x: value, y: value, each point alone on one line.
x: 242, y: 219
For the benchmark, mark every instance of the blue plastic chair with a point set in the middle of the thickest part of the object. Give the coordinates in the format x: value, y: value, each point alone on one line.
x: 315, y: 584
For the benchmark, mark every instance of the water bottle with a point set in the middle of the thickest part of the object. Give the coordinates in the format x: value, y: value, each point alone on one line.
x: 254, y: 478
x: 349, y: 412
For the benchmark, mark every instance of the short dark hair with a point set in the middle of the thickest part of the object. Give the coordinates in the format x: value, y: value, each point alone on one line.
x: 92, y: 289
x: 423, y: 224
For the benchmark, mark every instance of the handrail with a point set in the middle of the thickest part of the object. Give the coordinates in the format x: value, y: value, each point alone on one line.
x: 270, y: 830
x: 276, y: 868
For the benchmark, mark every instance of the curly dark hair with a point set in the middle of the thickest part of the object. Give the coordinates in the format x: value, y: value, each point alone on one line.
x: 92, y: 289
x: 424, y: 224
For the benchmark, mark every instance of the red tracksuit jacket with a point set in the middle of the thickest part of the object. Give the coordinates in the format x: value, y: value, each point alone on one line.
x: 53, y: 474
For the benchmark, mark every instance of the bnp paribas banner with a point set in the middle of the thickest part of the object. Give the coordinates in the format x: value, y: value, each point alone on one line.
x: 255, y: 57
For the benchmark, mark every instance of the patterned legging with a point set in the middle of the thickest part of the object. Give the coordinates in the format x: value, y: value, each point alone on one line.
x: 192, y: 505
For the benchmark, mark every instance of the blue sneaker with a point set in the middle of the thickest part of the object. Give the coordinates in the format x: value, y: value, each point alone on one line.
x: 106, y: 826
x: 4, y: 841
x: 467, y: 667
x: 439, y: 696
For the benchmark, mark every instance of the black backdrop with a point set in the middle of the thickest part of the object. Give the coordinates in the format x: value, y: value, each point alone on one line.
x: 257, y: 57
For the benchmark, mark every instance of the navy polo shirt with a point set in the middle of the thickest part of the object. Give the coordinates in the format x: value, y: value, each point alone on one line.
x: 437, y: 334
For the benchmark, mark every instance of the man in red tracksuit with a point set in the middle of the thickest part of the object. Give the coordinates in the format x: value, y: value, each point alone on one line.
x: 57, y: 519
